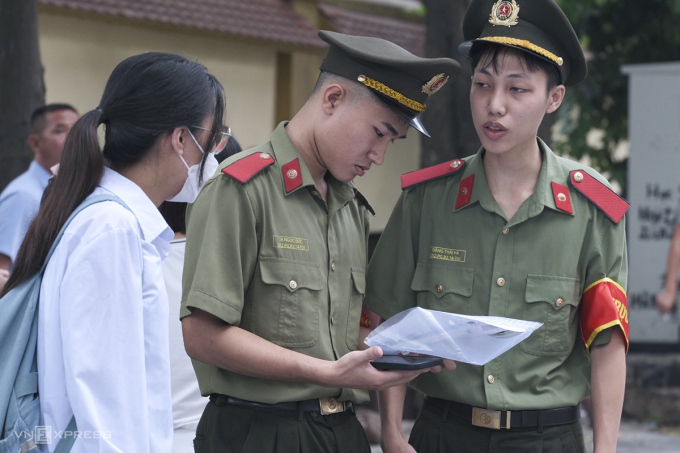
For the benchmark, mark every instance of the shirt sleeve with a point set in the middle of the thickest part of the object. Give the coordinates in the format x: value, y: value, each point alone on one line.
x: 221, y: 250
x: 102, y: 326
x: 604, y: 302
x: 393, y: 264
x: 17, y: 211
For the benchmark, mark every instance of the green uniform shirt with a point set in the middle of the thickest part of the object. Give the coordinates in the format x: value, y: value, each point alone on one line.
x: 287, y: 266
x: 471, y: 260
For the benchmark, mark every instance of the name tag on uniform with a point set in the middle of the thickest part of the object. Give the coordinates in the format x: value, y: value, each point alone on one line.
x: 441, y: 253
x: 291, y: 243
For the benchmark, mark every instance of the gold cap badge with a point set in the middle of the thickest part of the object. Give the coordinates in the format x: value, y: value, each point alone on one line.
x: 504, y: 13
x: 435, y: 84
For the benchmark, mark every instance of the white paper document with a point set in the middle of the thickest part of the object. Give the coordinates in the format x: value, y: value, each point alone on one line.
x: 469, y: 339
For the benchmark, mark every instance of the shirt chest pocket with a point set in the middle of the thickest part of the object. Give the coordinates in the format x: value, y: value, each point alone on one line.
x: 553, y: 301
x: 444, y: 288
x: 287, y: 303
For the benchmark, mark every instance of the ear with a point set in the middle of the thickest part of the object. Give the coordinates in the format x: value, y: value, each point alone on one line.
x: 555, y: 98
x: 333, y: 95
x: 177, y: 139
x: 34, y: 142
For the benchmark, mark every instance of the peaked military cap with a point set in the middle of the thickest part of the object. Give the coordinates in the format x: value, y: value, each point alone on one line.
x: 538, y: 27
x: 401, y: 80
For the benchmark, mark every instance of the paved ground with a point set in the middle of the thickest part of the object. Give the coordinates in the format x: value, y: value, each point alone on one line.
x: 634, y: 437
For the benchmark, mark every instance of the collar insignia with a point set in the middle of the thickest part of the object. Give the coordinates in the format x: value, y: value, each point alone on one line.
x: 435, y: 84
x: 504, y: 13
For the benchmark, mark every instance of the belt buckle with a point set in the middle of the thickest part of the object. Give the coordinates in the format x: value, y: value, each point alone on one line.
x: 331, y: 406
x: 488, y: 419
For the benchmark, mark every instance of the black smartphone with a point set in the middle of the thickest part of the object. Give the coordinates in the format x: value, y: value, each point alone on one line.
x: 406, y: 362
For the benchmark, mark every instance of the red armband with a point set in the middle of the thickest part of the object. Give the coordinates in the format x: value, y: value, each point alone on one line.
x: 369, y: 319
x: 365, y: 320
x: 604, y: 304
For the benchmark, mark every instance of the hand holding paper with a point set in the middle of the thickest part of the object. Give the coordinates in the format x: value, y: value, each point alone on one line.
x: 470, y: 339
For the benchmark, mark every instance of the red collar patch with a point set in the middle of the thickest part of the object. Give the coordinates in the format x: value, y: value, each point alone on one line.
x: 600, y: 195
x: 426, y: 174
x: 292, y: 176
x: 244, y: 169
x: 465, y: 191
x: 562, y: 199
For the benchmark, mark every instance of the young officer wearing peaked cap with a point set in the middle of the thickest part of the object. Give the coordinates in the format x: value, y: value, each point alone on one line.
x: 525, y: 234
x: 276, y: 259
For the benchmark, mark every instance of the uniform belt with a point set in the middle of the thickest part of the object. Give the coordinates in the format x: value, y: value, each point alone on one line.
x: 324, y: 406
x: 504, y: 419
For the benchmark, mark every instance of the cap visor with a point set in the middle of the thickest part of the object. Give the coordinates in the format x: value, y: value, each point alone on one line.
x: 418, y: 125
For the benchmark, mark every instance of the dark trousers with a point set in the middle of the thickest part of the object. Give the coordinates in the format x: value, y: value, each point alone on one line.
x: 227, y: 428
x: 438, y: 433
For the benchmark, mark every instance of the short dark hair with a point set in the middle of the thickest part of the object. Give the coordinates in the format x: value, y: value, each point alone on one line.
x: 39, y: 114
x: 532, y: 63
x: 174, y: 213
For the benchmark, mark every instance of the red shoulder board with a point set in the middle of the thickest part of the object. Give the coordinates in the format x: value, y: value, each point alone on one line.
x: 426, y: 174
x: 244, y: 169
x: 600, y: 195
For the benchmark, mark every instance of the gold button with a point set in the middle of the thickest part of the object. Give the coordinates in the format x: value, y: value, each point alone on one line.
x: 559, y: 302
x: 464, y: 191
x: 560, y: 61
x: 332, y: 319
x: 491, y: 379
x: 361, y: 78
x: 506, y: 230
x: 315, y: 193
x: 333, y: 265
x: 455, y: 164
x: 500, y: 281
x: 578, y: 176
x: 561, y: 197
x: 439, y: 288
x: 292, y: 284
x: 292, y: 174
x: 264, y: 156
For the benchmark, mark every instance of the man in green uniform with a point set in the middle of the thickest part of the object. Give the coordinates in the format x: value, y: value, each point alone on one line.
x: 276, y: 256
x: 512, y: 231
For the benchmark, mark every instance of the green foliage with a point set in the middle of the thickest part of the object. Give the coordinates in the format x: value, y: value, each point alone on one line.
x: 613, y: 33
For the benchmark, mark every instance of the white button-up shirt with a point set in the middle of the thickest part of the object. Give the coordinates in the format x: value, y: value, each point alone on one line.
x: 103, y: 350
x: 19, y: 203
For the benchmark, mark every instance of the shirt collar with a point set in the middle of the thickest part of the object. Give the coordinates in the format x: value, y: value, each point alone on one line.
x: 152, y: 224
x: 551, y: 170
x: 39, y: 173
x: 286, y: 153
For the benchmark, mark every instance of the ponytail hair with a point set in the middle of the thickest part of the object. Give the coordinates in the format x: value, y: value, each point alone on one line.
x: 145, y: 96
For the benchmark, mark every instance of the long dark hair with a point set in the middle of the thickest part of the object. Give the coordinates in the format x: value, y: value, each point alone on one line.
x: 145, y: 96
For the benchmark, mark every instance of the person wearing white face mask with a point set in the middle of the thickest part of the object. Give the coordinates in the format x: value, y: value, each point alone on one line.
x: 195, y: 178
x: 103, y: 332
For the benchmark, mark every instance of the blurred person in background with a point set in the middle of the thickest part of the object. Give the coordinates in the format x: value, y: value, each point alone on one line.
x: 20, y: 200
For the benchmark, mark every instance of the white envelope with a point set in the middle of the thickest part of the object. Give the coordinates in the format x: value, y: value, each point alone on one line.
x: 469, y: 339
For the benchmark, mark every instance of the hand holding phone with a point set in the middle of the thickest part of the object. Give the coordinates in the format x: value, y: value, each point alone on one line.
x: 406, y: 362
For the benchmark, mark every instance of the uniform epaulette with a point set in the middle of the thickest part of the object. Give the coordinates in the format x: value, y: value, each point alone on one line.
x: 429, y: 173
x: 363, y: 199
x: 599, y: 194
x: 244, y: 169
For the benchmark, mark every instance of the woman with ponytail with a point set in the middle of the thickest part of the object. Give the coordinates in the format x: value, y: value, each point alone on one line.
x: 103, y: 331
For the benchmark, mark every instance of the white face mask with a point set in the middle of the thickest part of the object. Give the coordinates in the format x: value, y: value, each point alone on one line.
x: 191, y: 187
